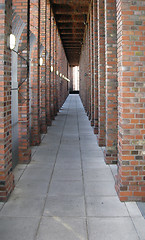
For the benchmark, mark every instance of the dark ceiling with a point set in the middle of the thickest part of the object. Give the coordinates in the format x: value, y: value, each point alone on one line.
x: 71, y: 16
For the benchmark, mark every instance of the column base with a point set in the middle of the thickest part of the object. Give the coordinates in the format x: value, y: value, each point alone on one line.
x: 95, y: 130
x: 129, y: 192
x: 36, y: 140
x: 43, y: 128
x: 24, y: 156
x: 92, y: 123
x: 110, y: 157
x: 101, y: 141
x: 7, y: 188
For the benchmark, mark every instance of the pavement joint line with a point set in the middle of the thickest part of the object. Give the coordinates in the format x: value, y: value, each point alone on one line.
x: 82, y: 175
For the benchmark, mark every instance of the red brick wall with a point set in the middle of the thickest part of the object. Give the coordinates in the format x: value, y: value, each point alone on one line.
x: 35, y: 78
x: 48, y: 64
x: 6, y: 176
x: 111, y: 82
x: 130, y: 183
x: 95, y: 56
x: 21, y: 8
x: 43, y: 119
x: 101, y: 75
x: 92, y: 63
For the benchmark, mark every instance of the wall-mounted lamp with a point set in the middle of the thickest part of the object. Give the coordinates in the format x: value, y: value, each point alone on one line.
x: 11, y: 41
x: 57, y: 73
x: 51, y: 69
x: 60, y: 74
x: 41, y: 61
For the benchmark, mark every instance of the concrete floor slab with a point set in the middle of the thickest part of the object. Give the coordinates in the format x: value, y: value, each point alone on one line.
x: 99, y: 174
x: 65, y: 206
x: 111, y: 229
x: 95, y: 188
x: 62, y: 229
x: 16, y: 228
x: 23, y: 206
x: 66, y: 175
x: 72, y: 188
x: 106, y: 207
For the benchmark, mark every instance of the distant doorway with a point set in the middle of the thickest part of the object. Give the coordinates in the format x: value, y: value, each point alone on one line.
x: 76, y: 78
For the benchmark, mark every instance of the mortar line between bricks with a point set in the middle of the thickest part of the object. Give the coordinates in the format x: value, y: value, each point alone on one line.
x: 35, y: 237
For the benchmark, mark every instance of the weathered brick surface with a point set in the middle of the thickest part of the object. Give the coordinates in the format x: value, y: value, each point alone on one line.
x: 6, y: 175
x: 111, y: 82
x: 95, y: 56
x: 92, y: 64
x: 35, y: 74
x: 130, y: 181
x: 43, y: 118
x: 101, y: 75
x: 21, y: 8
x: 48, y: 64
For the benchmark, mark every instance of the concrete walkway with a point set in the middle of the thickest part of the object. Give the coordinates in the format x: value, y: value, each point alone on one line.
x: 67, y: 191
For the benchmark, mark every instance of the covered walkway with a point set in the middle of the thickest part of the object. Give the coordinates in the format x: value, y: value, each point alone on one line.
x: 71, y: 196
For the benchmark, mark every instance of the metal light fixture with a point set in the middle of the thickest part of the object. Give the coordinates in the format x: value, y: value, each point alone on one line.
x: 11, y: 41
x: 51, y: 69
x: 60, y: 74
x: 41, y: 61
x: 57, y: 73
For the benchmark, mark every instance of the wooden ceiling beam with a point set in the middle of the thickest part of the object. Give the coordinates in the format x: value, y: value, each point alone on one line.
x: 70, y: 19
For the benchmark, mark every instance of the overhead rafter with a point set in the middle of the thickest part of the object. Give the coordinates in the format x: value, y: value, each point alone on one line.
x: 71, y: 17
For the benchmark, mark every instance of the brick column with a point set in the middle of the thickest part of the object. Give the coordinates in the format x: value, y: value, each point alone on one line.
x: 23, y: 10
x: 111, y: 82
x: 95, y: 56
x: 6, y: 176
x: 43, y: 125
x: 92, y: 64
x: 35, y: 78
x: 48, y: 64
x: 52, y: 66
x: 130, y: 182
x: 101, y: 74
x: 88, y: 71
x: 55, y: 69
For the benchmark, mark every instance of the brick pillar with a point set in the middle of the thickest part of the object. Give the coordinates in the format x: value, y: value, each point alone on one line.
x: 43, y: 125
x: 92, y: 64
x: 57, y: 72
x: 6, y: 176
x: 101, y: 74
x: 48, y: 64
x: 35, y: 78
x: 52, y: 66
x: 55, y: 69
x: 22, y: 9
x: 71, y: 77
x: 111, y: 82
x: 88, y: 70
x: 95, y: 56
x: 130, y: 182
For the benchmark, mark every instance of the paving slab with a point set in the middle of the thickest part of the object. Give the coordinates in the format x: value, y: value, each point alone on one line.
x: 65, y: 206
x: 72, y: 188
x: 23, y: 206
x: 106, y: 207
x: 62, y: 229
x: 112, y: 229
x: 18, y: 228
x: 99, y: 174
x: 95, y: 188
